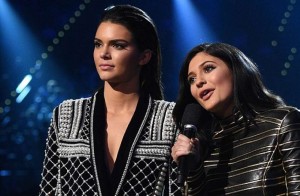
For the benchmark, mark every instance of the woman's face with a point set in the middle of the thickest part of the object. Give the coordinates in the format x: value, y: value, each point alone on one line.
x: 116, y: 55
x: 211, y: 84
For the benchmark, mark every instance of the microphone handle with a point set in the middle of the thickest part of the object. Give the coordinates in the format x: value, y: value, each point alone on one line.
x: 183, y: 162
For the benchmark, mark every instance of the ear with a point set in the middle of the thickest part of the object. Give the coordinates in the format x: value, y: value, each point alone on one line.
x: 145, y: 57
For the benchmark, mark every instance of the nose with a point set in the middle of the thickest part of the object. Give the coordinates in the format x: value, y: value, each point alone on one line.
x: 104, y: 52
x: 200, y: 82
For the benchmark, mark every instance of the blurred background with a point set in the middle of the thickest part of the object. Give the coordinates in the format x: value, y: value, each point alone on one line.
x: 46, y: 56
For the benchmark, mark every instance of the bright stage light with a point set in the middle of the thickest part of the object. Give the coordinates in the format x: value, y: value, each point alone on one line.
x: 23, y: 94
x: 24, y: 83
x: 191, y: 27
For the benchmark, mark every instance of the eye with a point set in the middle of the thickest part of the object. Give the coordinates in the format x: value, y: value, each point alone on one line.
x: 191, y: 80
x: 208, y: 68
x: 97, y: 44
x: 119, y: 46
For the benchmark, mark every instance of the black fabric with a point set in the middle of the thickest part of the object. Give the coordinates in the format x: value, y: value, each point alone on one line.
x: 265, y: 161
x: 128, y: 139
x: 110, y: 182
x: 99, y: 141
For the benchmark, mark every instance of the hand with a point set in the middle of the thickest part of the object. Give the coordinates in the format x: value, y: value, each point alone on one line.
x: 186, y: 146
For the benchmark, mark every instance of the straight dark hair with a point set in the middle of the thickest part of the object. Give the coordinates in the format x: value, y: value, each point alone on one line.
x: 145, y: 34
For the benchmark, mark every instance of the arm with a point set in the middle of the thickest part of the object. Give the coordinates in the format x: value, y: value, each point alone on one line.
x: 48, y: 183
x: 289, y: 145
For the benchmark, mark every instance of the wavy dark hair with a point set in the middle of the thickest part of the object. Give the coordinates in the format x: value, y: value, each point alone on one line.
x: 249, y: 91
x: 145, y: 34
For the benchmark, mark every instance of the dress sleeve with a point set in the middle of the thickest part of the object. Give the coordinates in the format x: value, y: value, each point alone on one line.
x: 289, y: 146
x: 196, y: 179
x: 49, y: 182
x: 195, y: 183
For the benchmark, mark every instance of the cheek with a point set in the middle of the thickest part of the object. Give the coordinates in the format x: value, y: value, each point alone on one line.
x: 223, y: 78
x: 193, y: 91
x: 226, y: 85
x: 122, y: 59
x: 195, y: 94
x: 95, y: 54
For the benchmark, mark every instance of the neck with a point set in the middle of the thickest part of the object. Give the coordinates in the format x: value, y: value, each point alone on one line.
x: 120, y: 101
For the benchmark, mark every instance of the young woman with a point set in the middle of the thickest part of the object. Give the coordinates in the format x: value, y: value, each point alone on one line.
x: 253, y: 137
x: 117, y: 142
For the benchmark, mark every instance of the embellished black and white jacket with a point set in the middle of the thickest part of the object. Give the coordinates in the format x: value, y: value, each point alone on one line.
x: 75, y: 160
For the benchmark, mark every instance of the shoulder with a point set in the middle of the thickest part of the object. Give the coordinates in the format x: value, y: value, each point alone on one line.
x: 162, y: 123
x: 68, y: 114
x: 68, y: 107
x: 292, y: 115
x: 162, y: 106
x: 285, y: 114
x: 163, y: 103
x: 279, y: 112
x: 70, y: 102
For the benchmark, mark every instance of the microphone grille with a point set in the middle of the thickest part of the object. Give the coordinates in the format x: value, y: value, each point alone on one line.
x: 192, y: 114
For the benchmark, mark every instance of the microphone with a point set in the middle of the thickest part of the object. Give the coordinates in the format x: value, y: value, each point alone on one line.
x: 190, y: 121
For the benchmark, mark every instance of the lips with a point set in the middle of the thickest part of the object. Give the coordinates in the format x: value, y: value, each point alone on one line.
x: 206, y: 94
x: 106, y: 67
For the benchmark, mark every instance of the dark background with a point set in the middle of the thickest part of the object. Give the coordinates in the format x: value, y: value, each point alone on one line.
x: 53, y: 42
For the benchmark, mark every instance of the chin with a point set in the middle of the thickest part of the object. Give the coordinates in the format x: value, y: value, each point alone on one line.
x: 211, y: 110
x: 105, y: 78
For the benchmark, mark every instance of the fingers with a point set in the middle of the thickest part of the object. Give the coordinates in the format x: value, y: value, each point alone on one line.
x: 184, y: 146
x: 195, y: 143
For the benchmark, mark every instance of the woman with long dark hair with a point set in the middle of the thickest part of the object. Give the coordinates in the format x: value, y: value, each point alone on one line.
x: 118, y: 141
x: 251, y: 142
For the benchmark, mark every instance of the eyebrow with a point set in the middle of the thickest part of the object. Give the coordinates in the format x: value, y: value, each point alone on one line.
x: 113, y: 40
x: 117, y: 41
x: 201, y: 65
x: 206, y: 62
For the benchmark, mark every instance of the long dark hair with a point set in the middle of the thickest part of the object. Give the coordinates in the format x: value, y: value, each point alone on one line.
x: 145, y: 34
x: 249, y: 91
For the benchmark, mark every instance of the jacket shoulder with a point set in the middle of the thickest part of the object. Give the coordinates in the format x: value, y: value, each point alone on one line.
x: 285, y: 115
x: 69, y: 115
x: 166, y: 104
